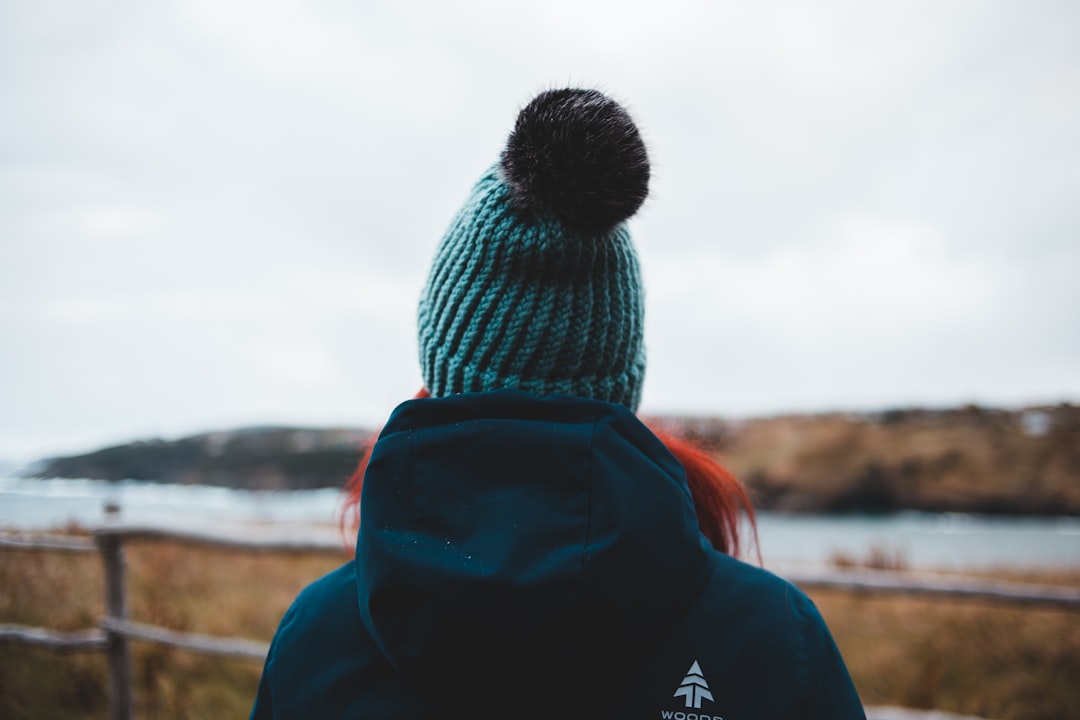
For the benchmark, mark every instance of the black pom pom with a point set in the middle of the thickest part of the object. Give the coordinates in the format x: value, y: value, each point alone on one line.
x: 578, y: 155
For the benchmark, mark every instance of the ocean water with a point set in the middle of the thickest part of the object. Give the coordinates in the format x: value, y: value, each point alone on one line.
x: 924, y: 540
x: 43, y: 504
x: 921, y: 540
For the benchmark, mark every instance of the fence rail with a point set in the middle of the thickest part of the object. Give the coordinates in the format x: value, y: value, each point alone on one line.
x: 904, y: 583
x: 94, y: 640
x: 206, y: 644
x: 57, y: 543
x: 116, y: 630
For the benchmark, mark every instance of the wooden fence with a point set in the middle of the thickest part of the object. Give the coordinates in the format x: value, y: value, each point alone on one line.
x: 116, y: 630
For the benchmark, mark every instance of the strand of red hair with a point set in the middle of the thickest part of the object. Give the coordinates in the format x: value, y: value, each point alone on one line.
x: 721, y: 501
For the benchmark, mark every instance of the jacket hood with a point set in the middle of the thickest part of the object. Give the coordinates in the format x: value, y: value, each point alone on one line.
x: 513, y: 547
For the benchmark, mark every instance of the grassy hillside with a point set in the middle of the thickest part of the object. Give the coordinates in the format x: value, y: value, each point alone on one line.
x: 968, y: 459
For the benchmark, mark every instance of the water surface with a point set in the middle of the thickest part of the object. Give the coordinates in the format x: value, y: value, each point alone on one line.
x: 919, y: 539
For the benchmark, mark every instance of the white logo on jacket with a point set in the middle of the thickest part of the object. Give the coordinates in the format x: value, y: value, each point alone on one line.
x: 694, y: 688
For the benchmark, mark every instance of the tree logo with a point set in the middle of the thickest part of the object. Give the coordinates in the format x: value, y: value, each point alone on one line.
x: 694, y: 688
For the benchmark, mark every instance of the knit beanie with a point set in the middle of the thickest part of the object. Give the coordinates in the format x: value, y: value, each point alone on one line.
x: 535, y: 285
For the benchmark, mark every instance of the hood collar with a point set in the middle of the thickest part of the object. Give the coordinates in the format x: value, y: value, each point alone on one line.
x: 510, y: 544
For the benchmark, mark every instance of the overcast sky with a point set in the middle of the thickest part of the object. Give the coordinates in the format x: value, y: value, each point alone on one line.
x: 216, y: 214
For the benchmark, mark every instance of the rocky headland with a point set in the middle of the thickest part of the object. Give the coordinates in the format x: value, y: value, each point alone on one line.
x: 259, y: 458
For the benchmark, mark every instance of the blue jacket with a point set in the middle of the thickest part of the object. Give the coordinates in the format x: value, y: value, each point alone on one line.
x: 526, y: 558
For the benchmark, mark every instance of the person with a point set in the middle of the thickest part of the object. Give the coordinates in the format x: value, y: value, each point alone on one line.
x: 527, y: 547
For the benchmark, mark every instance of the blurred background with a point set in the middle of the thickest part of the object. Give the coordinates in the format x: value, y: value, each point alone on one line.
x: 219, y: 214
x: 861, y: 253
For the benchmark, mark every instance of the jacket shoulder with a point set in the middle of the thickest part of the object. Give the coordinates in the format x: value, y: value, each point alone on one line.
x: 322, y: 662
x: 750, y: 645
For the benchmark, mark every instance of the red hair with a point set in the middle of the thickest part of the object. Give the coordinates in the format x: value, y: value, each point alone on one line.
x: 350, y: 511
x: 720, y: 500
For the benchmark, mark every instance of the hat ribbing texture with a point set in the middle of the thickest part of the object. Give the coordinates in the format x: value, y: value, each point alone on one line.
x: 518, y: 299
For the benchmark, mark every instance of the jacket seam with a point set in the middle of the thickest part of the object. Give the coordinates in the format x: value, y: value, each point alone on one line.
x: 802, y: 651
x: 589, y: 492
x: 414, y: 520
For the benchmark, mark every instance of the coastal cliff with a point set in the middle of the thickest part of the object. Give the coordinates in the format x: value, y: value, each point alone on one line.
x: 968, y: 459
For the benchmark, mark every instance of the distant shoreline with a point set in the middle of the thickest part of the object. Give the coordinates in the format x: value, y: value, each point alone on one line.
x: 969, y: 459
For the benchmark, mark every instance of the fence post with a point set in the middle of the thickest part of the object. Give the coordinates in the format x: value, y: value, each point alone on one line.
x: 119, y: 649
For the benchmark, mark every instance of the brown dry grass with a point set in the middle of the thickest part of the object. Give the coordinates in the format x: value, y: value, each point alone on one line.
x: 217, y: 592
x: 1001, y: 662
x: 966, y: 657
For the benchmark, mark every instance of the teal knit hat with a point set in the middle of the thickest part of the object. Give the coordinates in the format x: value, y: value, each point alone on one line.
x: 536, y: 284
